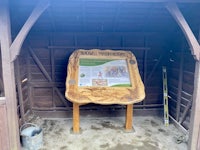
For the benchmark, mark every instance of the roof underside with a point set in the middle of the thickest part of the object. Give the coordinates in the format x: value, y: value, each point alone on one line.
x: 103, y: 16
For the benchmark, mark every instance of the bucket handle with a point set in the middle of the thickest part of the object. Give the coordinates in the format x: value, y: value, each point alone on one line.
x: 31, y: 124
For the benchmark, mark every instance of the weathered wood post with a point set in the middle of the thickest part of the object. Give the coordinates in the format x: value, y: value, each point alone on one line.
x: 8, y: 77
x: 9, y: 52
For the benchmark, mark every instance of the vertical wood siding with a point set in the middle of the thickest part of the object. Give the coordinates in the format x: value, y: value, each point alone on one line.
x: 48, y: 58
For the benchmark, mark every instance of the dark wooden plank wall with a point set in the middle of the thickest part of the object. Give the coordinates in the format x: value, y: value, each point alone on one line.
x: 181, y: 83
x: 48, y: 58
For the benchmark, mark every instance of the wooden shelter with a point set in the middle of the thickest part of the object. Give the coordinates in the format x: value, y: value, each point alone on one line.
x: 37, y: 38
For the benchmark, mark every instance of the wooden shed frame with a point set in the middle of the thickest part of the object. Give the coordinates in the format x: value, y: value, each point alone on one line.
x: 9, y: 128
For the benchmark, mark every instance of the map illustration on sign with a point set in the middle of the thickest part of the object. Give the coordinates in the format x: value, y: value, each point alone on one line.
x: 103, y: 72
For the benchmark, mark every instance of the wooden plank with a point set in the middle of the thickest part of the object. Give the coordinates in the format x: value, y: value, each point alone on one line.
x: 19, y: 88
x: 42, y: 102
x: 93, y: 47
x: 129, y: 117
x: 191, y: 39
x: 76, y: 118
x: 179, y: 87
x: 8, y: 77
x: 195, y: 119
x: 47, y: 84
x: 36, y: 13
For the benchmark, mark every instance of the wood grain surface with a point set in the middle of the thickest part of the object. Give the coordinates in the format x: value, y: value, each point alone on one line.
x: 104, y: 95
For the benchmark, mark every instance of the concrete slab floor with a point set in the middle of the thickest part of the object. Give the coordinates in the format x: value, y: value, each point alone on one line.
x: 108, y: 134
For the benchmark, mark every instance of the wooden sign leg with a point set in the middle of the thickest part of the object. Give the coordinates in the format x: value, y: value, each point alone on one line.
x: 76, y: 118
x: 129, y: 117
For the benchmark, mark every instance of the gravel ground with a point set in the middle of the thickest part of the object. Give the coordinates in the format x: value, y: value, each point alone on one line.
x: 109, y: 134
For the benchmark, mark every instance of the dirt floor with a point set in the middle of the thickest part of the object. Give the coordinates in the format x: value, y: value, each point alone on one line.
x: 109, y: 134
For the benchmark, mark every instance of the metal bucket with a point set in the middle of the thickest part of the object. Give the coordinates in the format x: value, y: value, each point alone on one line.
x: 31, y: 136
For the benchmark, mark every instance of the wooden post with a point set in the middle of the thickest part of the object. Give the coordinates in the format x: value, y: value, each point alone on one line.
x: 8, y: 76
x: 195, y: 119
x: 129, y: 117
x: 76, y: 118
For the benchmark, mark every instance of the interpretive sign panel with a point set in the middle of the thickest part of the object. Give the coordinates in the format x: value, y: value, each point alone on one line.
x: 103, y: 72
x: 104, y: 77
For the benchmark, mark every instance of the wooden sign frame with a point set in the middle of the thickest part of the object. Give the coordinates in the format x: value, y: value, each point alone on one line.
x: 88, y: 93
x: 104, y: 94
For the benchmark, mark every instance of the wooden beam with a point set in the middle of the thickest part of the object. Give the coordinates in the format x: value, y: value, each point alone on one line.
x: 8, y: 77
x: 17, y: 43
x: 93, y: 47
x: 19, y: 88
x: 195, y: 119
x: 180, y: 81
x: 191, y: 39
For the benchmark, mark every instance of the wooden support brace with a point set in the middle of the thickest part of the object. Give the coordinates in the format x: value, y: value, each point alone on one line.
x: 17, y: 43
x: 129, y: 117
x: 76, y: 118
x: 191, y: 39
